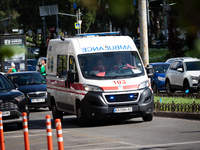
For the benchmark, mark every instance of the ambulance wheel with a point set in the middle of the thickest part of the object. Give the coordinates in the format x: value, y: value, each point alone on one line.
x: 82, y: 121
x: 148, y: 117
x: 56, y: 113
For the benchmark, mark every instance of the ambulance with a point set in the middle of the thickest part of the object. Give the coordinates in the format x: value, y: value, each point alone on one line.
x: 98, y: 76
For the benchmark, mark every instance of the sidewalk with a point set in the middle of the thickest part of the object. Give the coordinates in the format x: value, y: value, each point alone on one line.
x: 183, y: 115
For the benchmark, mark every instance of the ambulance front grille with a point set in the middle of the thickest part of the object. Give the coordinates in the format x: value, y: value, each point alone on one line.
x: 122, y: 98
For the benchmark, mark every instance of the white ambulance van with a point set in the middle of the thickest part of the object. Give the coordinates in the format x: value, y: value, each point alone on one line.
x: 98, y: 77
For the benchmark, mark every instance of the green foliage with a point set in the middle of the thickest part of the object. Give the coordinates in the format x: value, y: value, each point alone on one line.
x: 157, y: 55
x: 175, y: 44
x: 9, y: 51
x: 176, y: 100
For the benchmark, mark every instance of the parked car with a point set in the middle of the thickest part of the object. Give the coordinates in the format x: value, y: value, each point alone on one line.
x: 198, y: 86
x: 32, y: 62
x: 12, y: 102
x: 158, y: 80
x: 33, y: 85
x: 170, y: 60
x: 183, y: 75
x: 30, y: 68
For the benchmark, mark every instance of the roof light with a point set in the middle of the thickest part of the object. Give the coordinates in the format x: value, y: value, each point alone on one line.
x: 100, y: 33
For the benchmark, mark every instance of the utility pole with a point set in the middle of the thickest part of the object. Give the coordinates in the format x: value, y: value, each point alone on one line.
x: 143, y: 31
x: 44, y: 27
x: 79, y: 17
x: 165, y: 17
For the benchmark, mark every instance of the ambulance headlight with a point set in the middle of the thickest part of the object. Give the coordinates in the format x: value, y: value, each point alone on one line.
x: 92, y: 88
x: 144, y: 84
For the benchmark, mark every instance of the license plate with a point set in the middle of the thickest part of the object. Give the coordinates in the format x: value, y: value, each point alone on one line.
x: 38, y: 100
x: 122, y: 110
x: 5, y: 113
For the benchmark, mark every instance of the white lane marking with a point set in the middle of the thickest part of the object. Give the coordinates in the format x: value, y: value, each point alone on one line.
x: 145, y: 146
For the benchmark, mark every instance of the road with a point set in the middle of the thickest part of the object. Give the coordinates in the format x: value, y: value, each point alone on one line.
x: 161, y: 133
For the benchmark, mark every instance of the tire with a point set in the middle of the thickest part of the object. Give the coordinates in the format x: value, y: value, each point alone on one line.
x: 148, y: 117
x: 154, y: 87
x: 56, y: 113
x: 186, y: 86
x: 82, y: 121
x: 168, y: 87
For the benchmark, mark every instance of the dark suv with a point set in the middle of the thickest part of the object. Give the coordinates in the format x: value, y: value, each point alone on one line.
x: 33, y: 85
x: 12, y: 102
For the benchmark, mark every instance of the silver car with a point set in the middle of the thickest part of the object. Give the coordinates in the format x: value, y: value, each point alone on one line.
x: 183, y: 75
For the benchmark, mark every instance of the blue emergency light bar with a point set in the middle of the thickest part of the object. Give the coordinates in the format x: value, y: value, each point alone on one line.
x: 100, y: 33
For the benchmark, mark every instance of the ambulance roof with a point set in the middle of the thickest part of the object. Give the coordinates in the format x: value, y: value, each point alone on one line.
x: 91, y: 44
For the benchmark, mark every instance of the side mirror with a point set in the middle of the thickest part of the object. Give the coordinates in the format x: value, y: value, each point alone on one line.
x: 180, y: 69
x: 149, y: 70
x: 16, y: 86
x: 71, y: 76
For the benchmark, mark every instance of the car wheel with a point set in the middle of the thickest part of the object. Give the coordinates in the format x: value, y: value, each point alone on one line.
x: 148, y: 117
x: 82, y: 121
x: 168, y: 87
x: 57, y: 114
x: 154, y: 87
x: 186, y: 86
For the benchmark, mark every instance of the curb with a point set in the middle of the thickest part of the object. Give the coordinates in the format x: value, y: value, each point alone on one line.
x: 183, y: 115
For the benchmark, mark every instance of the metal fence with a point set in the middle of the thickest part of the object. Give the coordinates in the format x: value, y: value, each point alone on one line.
x: 176, y: 94
x: 179, y: 107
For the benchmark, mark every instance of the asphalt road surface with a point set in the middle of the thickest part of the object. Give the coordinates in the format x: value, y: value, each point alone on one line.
x: 161, y: 133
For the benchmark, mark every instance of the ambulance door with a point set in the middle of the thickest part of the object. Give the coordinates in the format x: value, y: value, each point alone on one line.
x: 74, y: 87
x: 62, y: 91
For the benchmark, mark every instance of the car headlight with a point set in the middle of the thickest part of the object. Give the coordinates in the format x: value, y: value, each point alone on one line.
x: 20, y: 98
x: 144, y: 84
x: 161, y: 78
x: 92, y: 88
x: 195, y: 78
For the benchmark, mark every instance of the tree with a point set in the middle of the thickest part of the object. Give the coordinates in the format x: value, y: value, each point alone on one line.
x: 175, y: 44
x: 189, y: 18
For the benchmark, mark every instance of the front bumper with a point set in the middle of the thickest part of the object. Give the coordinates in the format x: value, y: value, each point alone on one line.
x: 95, y: 107
x: 14, y: 117
x: 38, y: 104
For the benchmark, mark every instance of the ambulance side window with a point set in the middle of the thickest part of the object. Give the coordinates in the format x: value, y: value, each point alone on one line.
x: 62, y: 66
x: 72, y: 64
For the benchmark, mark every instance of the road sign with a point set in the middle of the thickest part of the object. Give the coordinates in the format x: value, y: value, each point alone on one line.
x: 77, y: 25
x: 138, y: 30
x: 74, y: 5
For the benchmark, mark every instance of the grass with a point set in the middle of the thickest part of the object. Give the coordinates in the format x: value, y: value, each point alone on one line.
x: 176, y: 100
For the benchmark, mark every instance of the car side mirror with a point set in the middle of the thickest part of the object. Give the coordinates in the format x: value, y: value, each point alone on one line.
x: 180, y: 69
x: 16, y: 86
x: 149, y: 70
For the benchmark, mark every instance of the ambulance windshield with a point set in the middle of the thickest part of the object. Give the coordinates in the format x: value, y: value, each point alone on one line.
x: 110, y: 65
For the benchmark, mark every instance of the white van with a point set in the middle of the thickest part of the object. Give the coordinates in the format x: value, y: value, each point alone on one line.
x: 98, y: 78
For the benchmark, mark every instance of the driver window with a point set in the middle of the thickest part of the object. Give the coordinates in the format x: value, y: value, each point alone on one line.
x: 72, y: 64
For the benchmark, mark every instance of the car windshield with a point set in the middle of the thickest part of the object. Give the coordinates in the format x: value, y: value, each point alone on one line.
x: 4, y: 84
x: 110, y: 65
x: 192, y: 66
x: 27, y: 79
x: 160, y: 68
